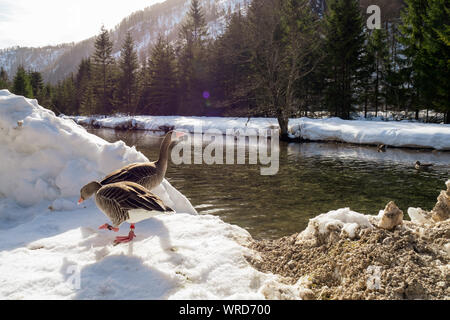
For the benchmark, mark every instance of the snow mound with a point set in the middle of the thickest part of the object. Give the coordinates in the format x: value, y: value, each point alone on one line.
x: 44, y: 157
x: 342, y: 221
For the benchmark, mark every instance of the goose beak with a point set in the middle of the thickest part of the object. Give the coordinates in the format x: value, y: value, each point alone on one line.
x: 179, y: 134
x: 80, y: 201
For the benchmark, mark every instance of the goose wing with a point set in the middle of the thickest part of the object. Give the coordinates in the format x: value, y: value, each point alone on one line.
x: 135, y: 172
x: 129, y: 196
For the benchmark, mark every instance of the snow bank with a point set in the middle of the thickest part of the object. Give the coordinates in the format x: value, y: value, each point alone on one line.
x: 393, y: 133
x: 44, y: 157
x: 51, y: 249
x: 397, y: 134
x: 177, y: 256
x: 343, y: 221
x: 162, y: 123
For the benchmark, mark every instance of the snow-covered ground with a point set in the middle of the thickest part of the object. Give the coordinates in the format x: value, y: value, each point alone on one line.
x: 392, y: 133
x: 51, y: 249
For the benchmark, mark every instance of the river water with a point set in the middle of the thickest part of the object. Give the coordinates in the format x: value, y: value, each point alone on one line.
x: 313, y: 178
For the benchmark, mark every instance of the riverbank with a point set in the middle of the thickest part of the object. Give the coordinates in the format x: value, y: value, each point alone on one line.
x: 347, y: 255
x: 390, y: 133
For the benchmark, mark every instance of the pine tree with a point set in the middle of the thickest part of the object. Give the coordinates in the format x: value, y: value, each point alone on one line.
x: 88, y: 102
x: 46, y: 97
x: 4, y: 83
x: 377, y: 48
x: 128, y: 76
x: 396, y: 80
x: 37, y: 84
x: 144, y: 88
x: 229, y: 66
x: 344, y: 45
x: 103, y: 62
x: 437, y: 54
x: 412, y: 39
x: 194, y: 29
x: 84, y: 88
x: 426, y: 36
x: 65, y: 97
x: 162, y: 96
x: 364, y: 92
x: 192, y: 56
x: 22, y: 84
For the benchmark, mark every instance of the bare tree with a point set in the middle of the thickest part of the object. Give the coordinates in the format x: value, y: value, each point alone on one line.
x: 285, y: 40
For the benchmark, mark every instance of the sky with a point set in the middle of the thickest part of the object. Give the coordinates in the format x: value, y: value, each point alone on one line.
x: 37, y: 23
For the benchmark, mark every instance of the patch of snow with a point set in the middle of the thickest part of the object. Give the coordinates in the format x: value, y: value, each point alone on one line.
x: 374, y: 277
x: 177, y: 256
x: 341, y: 221
x: 447, y: 248
x: 417, y: 215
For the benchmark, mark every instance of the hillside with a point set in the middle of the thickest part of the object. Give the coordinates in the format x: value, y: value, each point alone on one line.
x: 56, y: 62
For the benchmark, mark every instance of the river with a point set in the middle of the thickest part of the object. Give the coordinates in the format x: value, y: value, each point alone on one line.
x: 313, y: 178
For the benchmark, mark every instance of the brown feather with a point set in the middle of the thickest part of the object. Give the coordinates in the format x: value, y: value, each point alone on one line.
x: 149, y: 175
x: 116, y: 199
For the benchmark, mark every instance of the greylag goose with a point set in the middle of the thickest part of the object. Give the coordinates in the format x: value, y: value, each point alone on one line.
x: 148, y: 175
x: 381, y: 148
x: 124, y: 202
x: 422, y: 166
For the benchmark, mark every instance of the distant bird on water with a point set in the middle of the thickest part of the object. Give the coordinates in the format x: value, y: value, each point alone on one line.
x: 381, y: 148
x: 422, y: 166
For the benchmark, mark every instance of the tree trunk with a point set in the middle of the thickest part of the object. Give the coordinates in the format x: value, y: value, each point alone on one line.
x: 447, y: 117
x: 283, y: 122
x: 365, y: 107
x: 376, y: 94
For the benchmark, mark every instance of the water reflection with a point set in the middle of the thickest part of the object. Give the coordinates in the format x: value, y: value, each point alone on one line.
x: 313, y: 178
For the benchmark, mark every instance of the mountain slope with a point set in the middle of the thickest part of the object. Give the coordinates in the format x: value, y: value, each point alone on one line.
x: 57, y: 62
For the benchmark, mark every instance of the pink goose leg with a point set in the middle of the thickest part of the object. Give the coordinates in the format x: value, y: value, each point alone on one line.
x: 126, y: 239
x: 110, y: 228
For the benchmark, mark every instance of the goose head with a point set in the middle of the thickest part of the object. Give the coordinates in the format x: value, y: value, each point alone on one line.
x: 88, y: 190
x: 173, y: 136
x: 170, y: 138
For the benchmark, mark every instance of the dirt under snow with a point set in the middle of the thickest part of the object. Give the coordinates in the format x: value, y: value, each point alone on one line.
x: 409, y: 262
